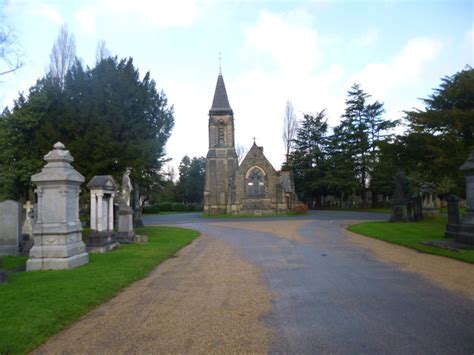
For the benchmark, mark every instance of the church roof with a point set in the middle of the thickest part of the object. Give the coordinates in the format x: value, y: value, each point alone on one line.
x: 220, y: 104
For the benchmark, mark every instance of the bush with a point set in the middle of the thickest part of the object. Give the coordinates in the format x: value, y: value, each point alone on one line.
x: 300, y: 208
x: 179, y: 207
x: 172, y: 207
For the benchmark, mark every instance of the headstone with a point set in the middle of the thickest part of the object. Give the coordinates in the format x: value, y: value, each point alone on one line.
x: 453, y: 216
x: 428, y: 195
x: 10, y: 227
x: 27, y: 240
x: 137, y: 211
x: 464, y: 233
x: 399, y: 200
x: 58, y: 230
x: 125, y: 233
x: 102, y: 237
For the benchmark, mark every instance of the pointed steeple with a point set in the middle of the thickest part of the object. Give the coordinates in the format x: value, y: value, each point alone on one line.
x: 220, y: 104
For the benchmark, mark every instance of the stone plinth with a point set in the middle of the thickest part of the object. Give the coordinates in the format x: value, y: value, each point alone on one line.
x: 464, y: 232
x: 125, y: 233
x: 10, y: 227
x: 102, y: 237
x: 57, y: 232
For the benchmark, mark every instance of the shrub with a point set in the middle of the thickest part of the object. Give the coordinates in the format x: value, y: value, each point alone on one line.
x: 300, y: 208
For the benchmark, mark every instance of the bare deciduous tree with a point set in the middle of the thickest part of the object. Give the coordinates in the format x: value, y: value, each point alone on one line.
x: 290, y: 126
x: 240, y: 150
x: 63, y: 55
x: 10, y: 56
x: 101, y: 51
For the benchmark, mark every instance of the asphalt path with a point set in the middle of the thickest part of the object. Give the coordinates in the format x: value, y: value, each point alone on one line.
x: 331, y: 296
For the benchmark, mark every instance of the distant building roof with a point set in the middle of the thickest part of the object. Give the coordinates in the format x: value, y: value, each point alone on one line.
x: 220, y: 104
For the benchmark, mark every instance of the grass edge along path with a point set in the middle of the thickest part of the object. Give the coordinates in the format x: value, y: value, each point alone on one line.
x: 411, y: 234
x: 36, y: 305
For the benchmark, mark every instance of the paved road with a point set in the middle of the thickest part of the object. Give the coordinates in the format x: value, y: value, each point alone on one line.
x: 330, y: 296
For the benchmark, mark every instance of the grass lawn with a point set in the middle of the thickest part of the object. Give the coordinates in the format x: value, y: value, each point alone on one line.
x: 36, y: 305
x: 375, y: 210
x: 251, y: 215
x: 410, y: 235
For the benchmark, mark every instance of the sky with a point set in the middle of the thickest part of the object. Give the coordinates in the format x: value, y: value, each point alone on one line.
x: 307, y: 52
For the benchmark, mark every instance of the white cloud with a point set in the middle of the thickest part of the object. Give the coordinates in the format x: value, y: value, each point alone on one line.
x: 379, y: 78
x: 49, y: 12
x: 150, y: 13
x: 287, y: 38
x: 367, y: 39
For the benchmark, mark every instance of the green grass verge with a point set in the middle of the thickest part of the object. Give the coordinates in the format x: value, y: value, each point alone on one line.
x: 12, y: 262
x: 374, y: 210
x: 36, y: 305
x: 411, y: 234
x: 251, y: 215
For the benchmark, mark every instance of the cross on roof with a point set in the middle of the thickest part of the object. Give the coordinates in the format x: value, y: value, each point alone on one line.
x: 220, y: 63
x: 254, y: 139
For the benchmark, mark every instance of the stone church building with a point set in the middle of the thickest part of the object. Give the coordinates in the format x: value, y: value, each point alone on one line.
x: 254, y: 186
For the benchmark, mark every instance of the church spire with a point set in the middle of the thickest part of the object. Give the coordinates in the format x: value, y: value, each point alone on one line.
x: 220, y: 104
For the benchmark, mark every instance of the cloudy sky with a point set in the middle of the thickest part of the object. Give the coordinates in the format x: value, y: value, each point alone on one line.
x: 308, y: 52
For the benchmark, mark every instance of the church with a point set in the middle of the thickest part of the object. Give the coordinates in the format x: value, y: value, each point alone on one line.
x: 254, y: 186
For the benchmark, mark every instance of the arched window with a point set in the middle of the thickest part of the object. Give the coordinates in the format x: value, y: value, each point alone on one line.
x: 255, y: 182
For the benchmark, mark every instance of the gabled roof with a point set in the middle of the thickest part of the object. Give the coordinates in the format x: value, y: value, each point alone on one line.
x: 256, y: 157
x: 105, y: 182
x: 220, y: 104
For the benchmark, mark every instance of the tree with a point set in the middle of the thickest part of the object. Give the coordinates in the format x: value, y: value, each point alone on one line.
x: 192, y: 174
x: 10, y: 56
x: 63, y: 55
x: 290, y: 126
x: 106, y: 116
x: 356, y: 139
x: 101, y: 51
x: 441, y: 135
x: 307, y: 160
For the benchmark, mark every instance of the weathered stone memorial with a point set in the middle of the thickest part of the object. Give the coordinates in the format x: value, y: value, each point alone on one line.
x: 399, y: 200
x: 102, y: 237
x: 428, y: 195
x: 57, y: 231
x: 125, y: 233
x: 464, y: 232
x: 137, y: 212
x: 27, y: 241
x: 10, y: 227
x: 453, y: 216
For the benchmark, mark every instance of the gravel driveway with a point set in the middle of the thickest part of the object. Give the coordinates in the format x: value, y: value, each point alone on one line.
x: 284, y: 285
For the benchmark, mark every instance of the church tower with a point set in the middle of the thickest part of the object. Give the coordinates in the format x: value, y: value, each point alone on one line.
x: 222, y: 162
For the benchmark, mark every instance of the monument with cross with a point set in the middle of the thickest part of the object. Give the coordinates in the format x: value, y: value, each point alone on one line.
x: 253, y: 186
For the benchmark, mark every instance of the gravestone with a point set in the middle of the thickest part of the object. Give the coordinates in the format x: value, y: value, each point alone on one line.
x: 125, y: 232
x: 27, y: 240
x: 399, y: 200
x: 58, y: 230
x: 137, y: 211
x: 102, y: 237
x: 453, y: 216
x: 464, y: 233
x: 10, y: 227
x: 428, y: 196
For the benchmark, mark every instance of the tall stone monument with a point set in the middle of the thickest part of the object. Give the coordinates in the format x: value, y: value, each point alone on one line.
x: 464, y: 232
x: 125, y: 226
x: 57, y: 231
x: 102, y: 237
x: 10, y: 227
x: 399, y: 200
